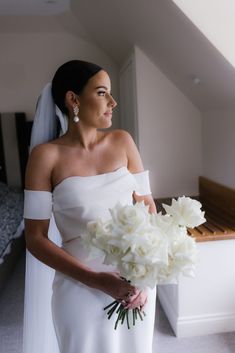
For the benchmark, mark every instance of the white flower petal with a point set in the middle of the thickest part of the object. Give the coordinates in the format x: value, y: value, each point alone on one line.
x: 186, y: 212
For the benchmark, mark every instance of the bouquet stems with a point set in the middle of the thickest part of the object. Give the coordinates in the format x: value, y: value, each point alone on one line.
x: 123, y: 314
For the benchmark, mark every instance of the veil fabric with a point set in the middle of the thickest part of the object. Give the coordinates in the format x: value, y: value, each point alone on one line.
x: 45, y: 124
x: 38, y: 330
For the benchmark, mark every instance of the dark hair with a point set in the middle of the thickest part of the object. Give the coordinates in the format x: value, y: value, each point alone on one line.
x: 71, y: 76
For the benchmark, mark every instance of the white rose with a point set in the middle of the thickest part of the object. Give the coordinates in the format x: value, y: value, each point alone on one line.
x: 112, y: 255
x: 148, y: 248
x: 164, y: 222
x: 90, y: 249
x: 186, y: 212
x: 96, y: 227
x: 140, y: 276
x: 130, y: 218
x: 182, y: 260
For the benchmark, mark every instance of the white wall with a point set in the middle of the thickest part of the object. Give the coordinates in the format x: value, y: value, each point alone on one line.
x: 29, y: 60
x: 170, y: 132
x: 128, y: 98
x: 204, y: 304
x: 219, y: 146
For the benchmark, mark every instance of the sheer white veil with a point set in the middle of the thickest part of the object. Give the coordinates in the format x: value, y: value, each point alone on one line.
x: 38, y: 331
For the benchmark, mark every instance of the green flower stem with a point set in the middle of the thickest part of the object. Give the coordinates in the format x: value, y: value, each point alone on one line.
x: 141, y: 317
x: 112, y: 308
x: 111, y: 304
x: 127, y: 319
x: 111, y: 311
x: 119, y: 308
x: 123, y: 314
x: 118, y: 318
x: 136, y: 313
x: 133, y: 316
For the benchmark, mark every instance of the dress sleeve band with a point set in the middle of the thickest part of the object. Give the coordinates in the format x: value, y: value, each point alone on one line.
x: 142, y: 180
x: 37, y: 204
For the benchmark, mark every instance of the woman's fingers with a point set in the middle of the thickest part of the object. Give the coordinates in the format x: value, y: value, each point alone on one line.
x: 143, y: 306
x: 138, y: 301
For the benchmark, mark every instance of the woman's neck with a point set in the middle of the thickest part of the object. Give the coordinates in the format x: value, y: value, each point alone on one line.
x: 86, y: 137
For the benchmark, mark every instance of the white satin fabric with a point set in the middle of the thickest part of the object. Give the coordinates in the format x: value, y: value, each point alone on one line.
x: 80, y: 323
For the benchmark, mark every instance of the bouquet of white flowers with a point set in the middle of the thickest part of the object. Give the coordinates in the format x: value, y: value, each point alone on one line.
x: 146, y: 249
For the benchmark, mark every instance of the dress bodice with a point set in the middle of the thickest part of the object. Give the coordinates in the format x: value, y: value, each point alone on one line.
x: 78, y: 200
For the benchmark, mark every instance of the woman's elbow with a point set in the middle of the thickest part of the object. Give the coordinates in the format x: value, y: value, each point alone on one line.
x: 35, y: 231
x: 30, y: 242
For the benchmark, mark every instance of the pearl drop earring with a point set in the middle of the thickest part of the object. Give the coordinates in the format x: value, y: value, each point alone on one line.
x: 76, y: 111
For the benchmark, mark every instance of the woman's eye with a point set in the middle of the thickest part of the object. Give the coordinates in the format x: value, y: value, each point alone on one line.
x: 101, y: 93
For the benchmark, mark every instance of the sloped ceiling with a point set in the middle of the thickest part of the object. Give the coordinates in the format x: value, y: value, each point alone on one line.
x: 65, y: 21
x: 170, y: 40
x: 220, y: 28
x: 158, y: 27
x: 33, y: 7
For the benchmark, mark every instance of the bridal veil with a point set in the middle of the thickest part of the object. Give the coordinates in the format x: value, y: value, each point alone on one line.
x: 38, y: 330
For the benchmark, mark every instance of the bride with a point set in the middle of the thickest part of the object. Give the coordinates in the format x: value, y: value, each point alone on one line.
x: 71, y: 180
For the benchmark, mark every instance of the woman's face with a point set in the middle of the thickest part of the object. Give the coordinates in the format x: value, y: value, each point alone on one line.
x: 95, y: 101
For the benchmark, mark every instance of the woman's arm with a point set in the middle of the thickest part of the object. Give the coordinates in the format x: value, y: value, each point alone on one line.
x: 135, y: 165
x: 148, y: 200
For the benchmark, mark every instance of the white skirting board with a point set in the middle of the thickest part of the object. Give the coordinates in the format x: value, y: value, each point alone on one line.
x: 196, y: 325
x: 206, y: 304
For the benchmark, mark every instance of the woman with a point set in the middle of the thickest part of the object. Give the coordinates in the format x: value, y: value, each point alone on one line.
x: 85, y: 172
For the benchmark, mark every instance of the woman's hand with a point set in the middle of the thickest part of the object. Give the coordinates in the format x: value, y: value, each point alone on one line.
x: 117, y: 287
x: 138, y: 300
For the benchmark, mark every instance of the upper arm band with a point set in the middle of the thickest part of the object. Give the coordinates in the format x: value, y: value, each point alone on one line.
x: 142, y: 180
x: 37, y: 204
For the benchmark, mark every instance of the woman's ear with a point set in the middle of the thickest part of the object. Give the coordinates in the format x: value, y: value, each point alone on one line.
x: 71, y: 99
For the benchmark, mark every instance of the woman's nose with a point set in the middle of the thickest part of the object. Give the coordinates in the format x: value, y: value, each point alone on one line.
x: 113, y: 103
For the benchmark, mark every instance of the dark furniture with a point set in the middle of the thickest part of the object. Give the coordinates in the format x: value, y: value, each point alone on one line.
x: 14, y: 141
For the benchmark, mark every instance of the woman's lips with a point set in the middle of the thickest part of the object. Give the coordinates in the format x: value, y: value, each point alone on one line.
x: 108, y: 113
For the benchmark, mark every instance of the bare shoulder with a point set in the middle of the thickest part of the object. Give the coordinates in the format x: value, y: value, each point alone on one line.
x: 44, y: 151
x: 40, y: 165
x: 123, y: 140
x: 121, y: 136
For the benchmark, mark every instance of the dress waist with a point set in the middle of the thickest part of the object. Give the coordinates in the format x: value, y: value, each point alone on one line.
x: 76, y: 248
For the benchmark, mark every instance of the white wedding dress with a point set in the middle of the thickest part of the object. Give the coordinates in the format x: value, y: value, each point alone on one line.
x: 80, y: 323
